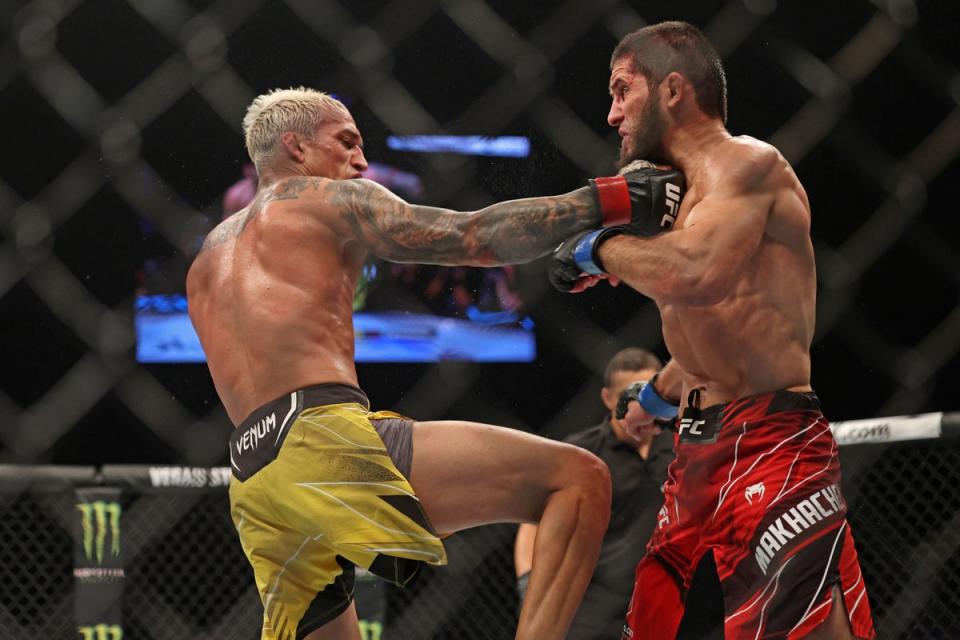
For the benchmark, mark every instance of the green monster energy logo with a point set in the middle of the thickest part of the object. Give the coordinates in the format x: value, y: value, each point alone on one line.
x: 371, y: 630
x: 102, y: 632
x: 96, y: 518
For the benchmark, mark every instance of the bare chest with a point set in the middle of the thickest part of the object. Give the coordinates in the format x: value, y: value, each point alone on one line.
x: 690, y: 199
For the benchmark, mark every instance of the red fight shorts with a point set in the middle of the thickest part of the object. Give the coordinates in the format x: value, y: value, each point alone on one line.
x: 756, y: 481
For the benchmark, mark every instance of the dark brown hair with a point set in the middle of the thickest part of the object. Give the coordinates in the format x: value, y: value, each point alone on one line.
x: 630, y: 359
x: 663, y: 48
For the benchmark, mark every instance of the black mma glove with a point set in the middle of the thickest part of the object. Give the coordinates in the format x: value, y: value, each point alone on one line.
x: 577, y: 255
x: 628, y: 395
x: 643, y: 200
x: 649, y: 398
x: 642, y: 197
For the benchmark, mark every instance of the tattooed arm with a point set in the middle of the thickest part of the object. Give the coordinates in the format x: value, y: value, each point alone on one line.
x: 509, y: 232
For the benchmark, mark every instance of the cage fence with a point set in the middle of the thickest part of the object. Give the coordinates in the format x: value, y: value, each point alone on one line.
x: 150, y: 553
x: 131, y: 97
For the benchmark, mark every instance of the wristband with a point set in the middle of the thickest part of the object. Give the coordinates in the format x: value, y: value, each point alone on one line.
x: 654, y: 404
x: 613, y: 196
x: 583, y: 253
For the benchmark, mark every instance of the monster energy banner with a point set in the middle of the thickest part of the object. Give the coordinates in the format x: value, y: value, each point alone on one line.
x: 101, y: 632
x: 98, y: 563
x: 371, y: 599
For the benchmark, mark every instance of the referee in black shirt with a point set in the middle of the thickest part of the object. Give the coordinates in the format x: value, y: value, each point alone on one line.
x: 638, y: 468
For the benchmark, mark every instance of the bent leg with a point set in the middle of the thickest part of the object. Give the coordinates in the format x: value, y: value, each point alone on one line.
x: 468, y: 474
x: 346, y: 626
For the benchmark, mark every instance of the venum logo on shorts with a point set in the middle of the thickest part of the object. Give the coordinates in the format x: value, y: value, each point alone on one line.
x: 673, y: 204
x: 754, y: 491
x: 251, y: 438
x: 799, y: 518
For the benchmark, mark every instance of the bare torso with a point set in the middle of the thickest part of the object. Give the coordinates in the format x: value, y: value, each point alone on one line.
x: 272, y: 301
x: 271, y: 291
x: 757, y: 337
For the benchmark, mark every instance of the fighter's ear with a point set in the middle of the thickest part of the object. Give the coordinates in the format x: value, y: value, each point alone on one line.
x: 674, y: 87
x: 290, y: 142
x: 609, y: 401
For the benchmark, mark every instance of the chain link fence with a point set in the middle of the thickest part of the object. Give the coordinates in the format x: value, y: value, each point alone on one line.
x: 124, y: 115
x: 904, y: 502
x: 184, y: 575
x: 137, y: 105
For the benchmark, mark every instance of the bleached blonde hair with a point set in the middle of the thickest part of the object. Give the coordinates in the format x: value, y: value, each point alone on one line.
x: 299, y: 109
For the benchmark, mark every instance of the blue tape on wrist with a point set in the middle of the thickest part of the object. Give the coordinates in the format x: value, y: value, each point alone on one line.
x: 653, y: 404
x: 583, y: 253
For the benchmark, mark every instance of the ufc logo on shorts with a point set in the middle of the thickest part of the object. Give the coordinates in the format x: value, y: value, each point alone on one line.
x: 673, y: 204
x: 663, y: 518
x: 694, y: 430
x: 692, y: 426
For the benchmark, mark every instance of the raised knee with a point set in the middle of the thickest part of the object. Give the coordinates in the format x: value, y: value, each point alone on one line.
x: 590, y: 475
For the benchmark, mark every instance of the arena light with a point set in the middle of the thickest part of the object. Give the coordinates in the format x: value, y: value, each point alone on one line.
x: 501, y: 146
x: 404, y: 182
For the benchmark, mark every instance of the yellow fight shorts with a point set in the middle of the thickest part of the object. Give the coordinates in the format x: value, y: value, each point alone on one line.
x: 316, y: 491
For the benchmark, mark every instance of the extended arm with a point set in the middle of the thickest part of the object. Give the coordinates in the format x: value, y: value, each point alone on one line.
x: 509, y: 232
x: 517, y: 231
x: 699, y: 263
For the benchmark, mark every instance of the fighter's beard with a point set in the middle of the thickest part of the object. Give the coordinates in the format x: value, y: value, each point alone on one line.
x: 646, y: 138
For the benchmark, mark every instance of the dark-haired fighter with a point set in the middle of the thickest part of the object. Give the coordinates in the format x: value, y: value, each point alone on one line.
x: 756, y: 480
x: 321, y: 483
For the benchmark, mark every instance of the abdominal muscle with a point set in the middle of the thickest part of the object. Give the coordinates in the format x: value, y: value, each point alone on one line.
x: 736, y: 348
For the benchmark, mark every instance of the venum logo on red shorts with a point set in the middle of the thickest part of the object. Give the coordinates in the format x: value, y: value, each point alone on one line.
x: 754, y: 492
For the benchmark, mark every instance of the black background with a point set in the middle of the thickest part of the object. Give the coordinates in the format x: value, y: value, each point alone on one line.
x: 888, y: 314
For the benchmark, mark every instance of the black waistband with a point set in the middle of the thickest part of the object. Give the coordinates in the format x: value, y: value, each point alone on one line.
x: 703, y: 425
x: 312, y: 396
x: 257, y: 440
x: 762, y: 404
